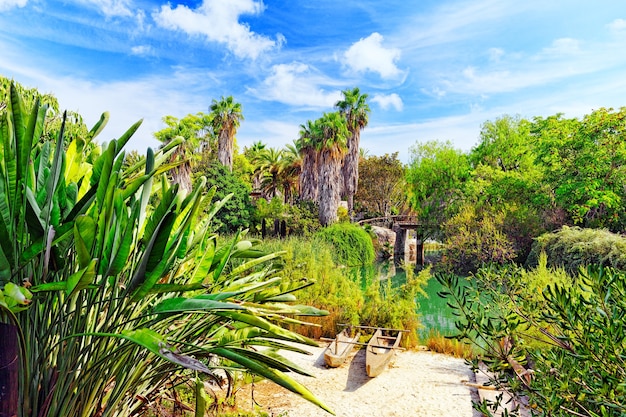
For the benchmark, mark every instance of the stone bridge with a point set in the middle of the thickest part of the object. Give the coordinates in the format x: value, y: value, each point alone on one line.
x: 401, y: 224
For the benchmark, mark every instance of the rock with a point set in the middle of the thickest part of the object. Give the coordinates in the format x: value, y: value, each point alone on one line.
x: 386, y: 240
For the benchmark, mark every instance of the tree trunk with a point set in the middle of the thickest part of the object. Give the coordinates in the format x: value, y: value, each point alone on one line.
x: 350, y: 170
x: 9, y: 368
x: 225, y: 149
x: 329, y: 177
x: 308, y: 176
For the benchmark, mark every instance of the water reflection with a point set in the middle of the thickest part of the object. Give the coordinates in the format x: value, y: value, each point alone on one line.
x: 435, y: 315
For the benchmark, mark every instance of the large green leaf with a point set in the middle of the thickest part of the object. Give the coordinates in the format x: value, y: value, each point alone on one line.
x: 261, y: 323
x: 181, y: 304
x: 84, y: 236
x: 274, y: 375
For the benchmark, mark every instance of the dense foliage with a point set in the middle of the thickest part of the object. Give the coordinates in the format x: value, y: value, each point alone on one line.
x: 238, y: 212
x: 553, y: 342
x: 117, y: 296
x: 352, y: 244
x: 538, y: 175
x: 350, y: 295
x: 381, y: 186
x: 573, y: 248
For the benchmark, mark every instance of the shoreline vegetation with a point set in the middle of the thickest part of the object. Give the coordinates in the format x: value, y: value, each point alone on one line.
x: 107, y: 255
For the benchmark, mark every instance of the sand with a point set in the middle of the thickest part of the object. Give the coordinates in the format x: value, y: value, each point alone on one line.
x: 416, y: 383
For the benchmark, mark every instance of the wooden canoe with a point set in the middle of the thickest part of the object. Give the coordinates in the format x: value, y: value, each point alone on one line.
x: 380, y: 349
x: 339, y: 348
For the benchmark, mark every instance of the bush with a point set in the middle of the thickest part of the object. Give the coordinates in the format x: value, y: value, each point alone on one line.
x: 238, y: 212
x: 573, y: 247
x: 555, y: 345
x: 353, y: 246
x: 308, y: 260
x: 474, y: 239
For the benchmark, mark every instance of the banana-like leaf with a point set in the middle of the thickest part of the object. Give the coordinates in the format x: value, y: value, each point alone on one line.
x: 123, y: 140
x: 181, y: 304
x: 203, y: 264
x: 99, y: 126
x: 274, y: 375
x: 156, y: 344
x: 151, y: 257
x: 295, y: 310
x: 81, y: 279
x: 261, y: 323
x: 251, y: 264
x: 84, y: 236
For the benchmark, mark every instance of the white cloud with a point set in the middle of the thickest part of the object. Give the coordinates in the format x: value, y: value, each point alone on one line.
x: 368, y: 54
x: 385, y: 101
x: 218, y: 21
x: 563, y: 46
x: 297, y: 84
x: 142, y: 50
x: 9, y: 4
x: 617, y: 26
x: 495, y: 54
x: 111, y: 8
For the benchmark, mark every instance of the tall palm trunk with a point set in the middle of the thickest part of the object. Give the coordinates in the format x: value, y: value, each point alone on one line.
x: 181, y: 174
x: 329, y: 168
x: 225, y: 149
x: 350, y: 169
x: 308, y: 176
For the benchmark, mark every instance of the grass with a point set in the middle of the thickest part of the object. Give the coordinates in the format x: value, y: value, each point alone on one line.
x: 442, y: 344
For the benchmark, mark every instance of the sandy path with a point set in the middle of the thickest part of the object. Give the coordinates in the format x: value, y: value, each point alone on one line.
x: 417, y: 383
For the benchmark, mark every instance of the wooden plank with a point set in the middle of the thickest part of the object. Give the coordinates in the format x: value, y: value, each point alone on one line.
x: 326, y: 339
x: 374, y: 328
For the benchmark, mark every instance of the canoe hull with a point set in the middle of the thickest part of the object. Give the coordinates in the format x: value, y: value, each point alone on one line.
x: 380, y: 349
x: 338, y: 350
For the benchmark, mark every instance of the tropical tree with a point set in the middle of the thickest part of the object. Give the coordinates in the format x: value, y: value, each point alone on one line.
x: 291, y: 167
x: 271, y: 167
x: 585, y: 164
x: 331, y: 149
x: 115, y: 296
x: 381, y: 186
x: 356, y: 111
x: 253, y: 154
x: 308, y: 175
x: 193, y: 130
x: 436, y: 177
x: 226, y: 114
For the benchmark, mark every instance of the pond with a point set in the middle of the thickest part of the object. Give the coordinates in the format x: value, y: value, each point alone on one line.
x: 434, y: 313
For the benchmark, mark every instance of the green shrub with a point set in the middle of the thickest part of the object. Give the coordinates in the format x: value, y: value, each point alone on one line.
x: 238, y: 212
x: 573, y: 247
x: 352, y: 245
x: 473, y: 239
x: 560, y: 352
x: 308, y: 260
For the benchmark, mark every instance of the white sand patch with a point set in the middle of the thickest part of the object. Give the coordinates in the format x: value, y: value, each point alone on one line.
x: 417, y: 383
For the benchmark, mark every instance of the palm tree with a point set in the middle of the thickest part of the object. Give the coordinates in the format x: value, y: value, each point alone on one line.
x: 331, y: 148
x: 253, y: 153
x: 291, y: 167
x: 308, y: 173
x: 355, y: 110
x: 226, y: 116
x: 270, y: 166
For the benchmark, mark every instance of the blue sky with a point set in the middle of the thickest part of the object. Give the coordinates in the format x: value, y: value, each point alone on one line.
x: 432, y: 69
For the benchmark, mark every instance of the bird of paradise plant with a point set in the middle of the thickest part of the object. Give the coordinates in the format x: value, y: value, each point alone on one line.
x: 115, y: 293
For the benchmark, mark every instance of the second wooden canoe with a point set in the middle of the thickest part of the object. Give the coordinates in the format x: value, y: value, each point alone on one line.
x: 380, y: 349
x: 338, y: 350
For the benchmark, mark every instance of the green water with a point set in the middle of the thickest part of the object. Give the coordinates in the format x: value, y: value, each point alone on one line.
x: 434, y: 314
